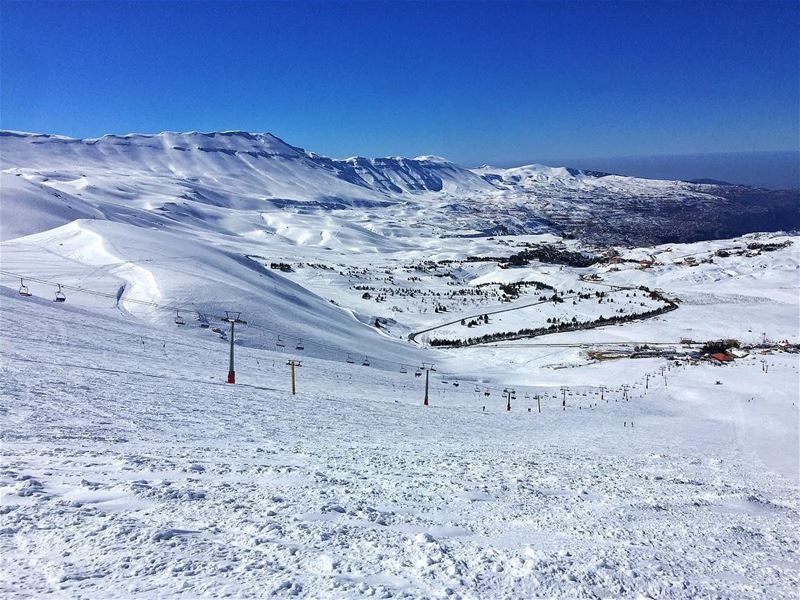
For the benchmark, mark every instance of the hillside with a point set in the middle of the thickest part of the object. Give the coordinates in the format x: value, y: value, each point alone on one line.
x: 579, y: 439
x: 130, y: 469
x: 192, y: 178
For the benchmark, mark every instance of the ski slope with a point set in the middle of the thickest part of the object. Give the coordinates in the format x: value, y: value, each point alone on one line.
x: 130, y: 469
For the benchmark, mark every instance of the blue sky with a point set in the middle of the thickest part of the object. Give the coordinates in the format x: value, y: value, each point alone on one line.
x: 473, y: 81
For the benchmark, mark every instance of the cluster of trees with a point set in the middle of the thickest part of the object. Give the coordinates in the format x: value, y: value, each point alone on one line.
x: 545, y: 253
x: 382, y: 293
x: 279, y: 266
x: 426, y: 266
x: 549, y: 254
x: 768, y: 246
x: 482, y: 319
x: 553, y: 327
x: 715, y: 346
x: 513, y: 290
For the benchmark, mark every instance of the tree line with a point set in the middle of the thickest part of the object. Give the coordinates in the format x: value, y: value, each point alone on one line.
x: 551, y: 328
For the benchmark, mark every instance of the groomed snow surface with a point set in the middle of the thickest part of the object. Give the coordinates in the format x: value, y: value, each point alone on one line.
x: 131, y: 470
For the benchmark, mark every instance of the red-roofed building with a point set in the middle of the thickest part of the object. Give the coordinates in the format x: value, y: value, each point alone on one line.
x: 721, y: 357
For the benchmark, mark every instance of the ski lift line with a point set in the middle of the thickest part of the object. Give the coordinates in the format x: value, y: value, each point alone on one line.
x: 169, y: 307
x: 180, y: 320
x: 220, y: 318
x: 279, y: 335
x: 93, y: 292
x: 177, y: 309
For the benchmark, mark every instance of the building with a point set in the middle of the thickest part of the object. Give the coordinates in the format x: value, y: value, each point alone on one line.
x: 721, y: 358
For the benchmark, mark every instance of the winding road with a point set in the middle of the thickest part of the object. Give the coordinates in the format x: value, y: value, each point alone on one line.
x: 412, y: 337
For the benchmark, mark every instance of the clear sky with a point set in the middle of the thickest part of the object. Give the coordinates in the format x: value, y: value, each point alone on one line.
x: 495, y: 82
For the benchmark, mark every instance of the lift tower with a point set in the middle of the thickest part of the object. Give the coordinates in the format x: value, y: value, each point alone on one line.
x: 232, y: 318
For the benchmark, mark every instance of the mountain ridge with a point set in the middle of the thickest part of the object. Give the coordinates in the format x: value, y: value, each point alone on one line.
x: 357, y: 160
x: 180, y: 177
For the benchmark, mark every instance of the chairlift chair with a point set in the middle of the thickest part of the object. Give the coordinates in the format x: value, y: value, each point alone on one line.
x: 403, y: 369
x: 299, y: 345
x: 60, y: 296
x: 23, y: 289
x: 455, y: 384
x: 487, y: 393
x: 366, y: 362
x: 179, y: 320
x: 280, y: 343
x: 350, y: 359
x: 418, y: 373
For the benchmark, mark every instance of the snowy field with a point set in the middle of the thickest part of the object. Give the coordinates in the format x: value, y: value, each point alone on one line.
x: 130, y: 469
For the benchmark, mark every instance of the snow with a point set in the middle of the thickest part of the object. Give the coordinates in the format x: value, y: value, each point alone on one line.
x: 159, y: 480
x: 131, y: 469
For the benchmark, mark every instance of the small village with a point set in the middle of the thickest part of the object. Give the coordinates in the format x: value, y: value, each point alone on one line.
x: 689, y: 352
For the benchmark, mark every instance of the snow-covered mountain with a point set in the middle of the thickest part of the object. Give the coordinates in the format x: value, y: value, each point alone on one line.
x: 259, y: 165
x: 194, y: 220
x: 185, y: 176
x: 125, y: 448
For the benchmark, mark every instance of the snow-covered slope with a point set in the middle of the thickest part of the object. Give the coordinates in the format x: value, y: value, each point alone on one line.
x: 131, y: 470
x: 125, y: 451
x: 194, y: 220
x: 209, y: 173
x: 259, y: 166
x: 202, y: 278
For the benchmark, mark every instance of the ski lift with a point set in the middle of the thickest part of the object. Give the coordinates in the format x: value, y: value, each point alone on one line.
x: 179, y: 320
x: 350, y: 359
x: 477, y: 389
x: 23, y: 289
x: 279, y: 343
x: 403, y: 369
x: 487, y: 393
x: 299, y: 345
x: 60, y: 296
x: 455, y: 384
x: 418, y: 373
x: 366, y: 362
